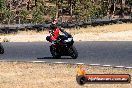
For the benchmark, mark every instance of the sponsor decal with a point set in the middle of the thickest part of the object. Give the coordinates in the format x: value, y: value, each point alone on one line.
x: 82, y: 77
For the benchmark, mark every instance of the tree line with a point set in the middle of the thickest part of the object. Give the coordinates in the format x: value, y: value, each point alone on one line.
x: 39, y: 11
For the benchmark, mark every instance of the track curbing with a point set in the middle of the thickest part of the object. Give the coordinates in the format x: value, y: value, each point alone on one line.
x: 119, y: 66
x: 106, y: 65
x: 94, y: 64
x: 70, y: 63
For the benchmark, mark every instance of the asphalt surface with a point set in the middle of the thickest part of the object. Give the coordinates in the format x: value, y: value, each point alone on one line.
x: 105, y: 53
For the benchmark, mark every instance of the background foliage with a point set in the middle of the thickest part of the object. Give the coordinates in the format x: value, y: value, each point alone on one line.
x: 46, y: 9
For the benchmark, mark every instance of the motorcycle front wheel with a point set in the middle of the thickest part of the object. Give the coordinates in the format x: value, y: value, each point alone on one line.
x: 74, y: 53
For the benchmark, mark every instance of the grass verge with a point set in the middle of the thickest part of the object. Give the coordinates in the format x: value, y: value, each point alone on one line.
x: 44, y: 75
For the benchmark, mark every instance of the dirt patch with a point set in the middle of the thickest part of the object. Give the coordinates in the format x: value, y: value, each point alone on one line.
x: 116, y: 32
x: 44, y: 75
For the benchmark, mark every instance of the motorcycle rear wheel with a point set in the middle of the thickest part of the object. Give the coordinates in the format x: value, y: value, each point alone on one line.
x: 1, y: 49
x: 54, y: 53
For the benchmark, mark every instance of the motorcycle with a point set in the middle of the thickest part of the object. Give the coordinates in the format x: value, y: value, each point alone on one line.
x: 1, y: 49
x: 64, y: 47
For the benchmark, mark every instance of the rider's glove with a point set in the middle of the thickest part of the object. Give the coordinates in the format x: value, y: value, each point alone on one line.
x: 52, y: 42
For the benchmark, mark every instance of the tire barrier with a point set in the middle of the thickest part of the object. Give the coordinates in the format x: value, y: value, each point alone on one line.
x: 6, y: 29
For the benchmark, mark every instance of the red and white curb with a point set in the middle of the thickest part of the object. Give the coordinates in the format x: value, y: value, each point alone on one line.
x: 125, y: 67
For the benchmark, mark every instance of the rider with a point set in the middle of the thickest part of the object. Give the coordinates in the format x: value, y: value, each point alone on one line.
x: 54, y: 32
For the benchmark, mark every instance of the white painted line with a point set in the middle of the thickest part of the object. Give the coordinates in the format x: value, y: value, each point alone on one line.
x: 107, y: 65
x: 128, y: 67
x: 38, y: 61
x: 59, y: 62
x: 94, y: 64
x: 119, y: 66
x: 79, y: 63
x: 72, y: 63
x: 66, y: 63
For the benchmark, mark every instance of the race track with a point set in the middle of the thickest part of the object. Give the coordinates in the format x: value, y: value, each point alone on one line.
x: 111, y: 53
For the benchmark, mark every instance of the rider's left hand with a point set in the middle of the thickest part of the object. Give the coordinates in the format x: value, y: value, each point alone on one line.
x: 52, y: 42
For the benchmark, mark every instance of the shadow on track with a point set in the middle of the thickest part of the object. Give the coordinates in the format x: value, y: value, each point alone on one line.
x: 54, y: 58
